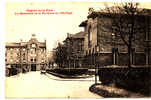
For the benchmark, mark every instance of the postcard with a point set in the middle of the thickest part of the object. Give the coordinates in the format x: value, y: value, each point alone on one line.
x: 77, y: 50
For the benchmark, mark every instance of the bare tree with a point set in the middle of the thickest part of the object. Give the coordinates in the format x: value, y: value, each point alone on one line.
x: 127, y: 21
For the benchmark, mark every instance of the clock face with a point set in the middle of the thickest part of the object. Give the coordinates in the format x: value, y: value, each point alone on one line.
x: 33, y: 45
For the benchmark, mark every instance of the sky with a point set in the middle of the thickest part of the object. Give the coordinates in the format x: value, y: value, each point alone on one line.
x: 52, y: 27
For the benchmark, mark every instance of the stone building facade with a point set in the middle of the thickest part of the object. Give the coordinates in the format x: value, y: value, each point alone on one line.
x: 26, y: 56
x: 104, y: 48
x: 74, y: 44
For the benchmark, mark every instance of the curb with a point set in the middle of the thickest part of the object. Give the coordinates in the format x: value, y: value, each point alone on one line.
x: 65, y: 76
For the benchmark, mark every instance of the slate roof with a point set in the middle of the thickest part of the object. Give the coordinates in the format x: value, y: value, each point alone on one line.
x: 79, y: 35
x: 22, y: 44
x: 12, y: 44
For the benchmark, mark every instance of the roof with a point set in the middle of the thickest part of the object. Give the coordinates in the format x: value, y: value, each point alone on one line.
x: 42, y: 44
x: 84, y: 23
x: 77, y: 35
x: 22, y: 44
x: 12, y: 44
x: 94, y: 14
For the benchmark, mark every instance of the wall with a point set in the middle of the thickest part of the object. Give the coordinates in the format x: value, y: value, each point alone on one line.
x: 102, y: 35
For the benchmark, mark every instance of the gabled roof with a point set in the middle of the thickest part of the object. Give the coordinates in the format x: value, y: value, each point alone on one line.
x: 79, y: 35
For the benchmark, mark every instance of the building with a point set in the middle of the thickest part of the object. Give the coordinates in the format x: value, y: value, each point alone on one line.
x: 26, y: 56
x: 70, y: 53
x: 102, y: 47
x: 75, y: 48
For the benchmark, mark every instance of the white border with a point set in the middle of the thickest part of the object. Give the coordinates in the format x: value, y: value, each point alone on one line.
x: 2, y: 33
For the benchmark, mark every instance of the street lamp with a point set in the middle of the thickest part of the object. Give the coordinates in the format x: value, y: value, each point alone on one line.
x: 113, y: 41
x: 96, y: 66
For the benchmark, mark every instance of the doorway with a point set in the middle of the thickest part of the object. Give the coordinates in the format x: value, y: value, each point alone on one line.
x: 33, y: 67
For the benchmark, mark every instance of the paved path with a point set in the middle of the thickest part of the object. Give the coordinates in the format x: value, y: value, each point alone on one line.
x: 36, y: 85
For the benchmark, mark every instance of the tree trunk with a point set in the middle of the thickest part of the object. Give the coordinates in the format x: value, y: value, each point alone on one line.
x: 130, y: 42
x: 129, y: 55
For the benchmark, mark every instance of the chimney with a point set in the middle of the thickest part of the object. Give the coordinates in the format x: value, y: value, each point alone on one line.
x: 68, y: 35
x: 33, y: 36
x: 90, y: 11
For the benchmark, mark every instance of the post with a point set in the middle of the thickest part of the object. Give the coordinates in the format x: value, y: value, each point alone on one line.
x: 114, y: 58
x: 69, y: 65
x: 147, y: 56
x: 74, y: 62
x: 95, y: 69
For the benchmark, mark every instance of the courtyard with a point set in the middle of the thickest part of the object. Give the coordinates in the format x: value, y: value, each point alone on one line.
x: 36, y: 85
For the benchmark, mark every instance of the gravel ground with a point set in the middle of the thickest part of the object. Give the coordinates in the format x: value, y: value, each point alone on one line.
x: 36, y: 85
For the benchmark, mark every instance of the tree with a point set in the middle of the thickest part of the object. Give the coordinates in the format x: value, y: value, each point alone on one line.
x: 60, y: 55
x: 127, y: 21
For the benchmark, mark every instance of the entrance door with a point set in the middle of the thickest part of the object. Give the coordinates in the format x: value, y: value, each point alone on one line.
x: 33, y: 67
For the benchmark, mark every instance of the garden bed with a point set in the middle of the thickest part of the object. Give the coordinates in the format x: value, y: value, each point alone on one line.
x: 134, y: 79
x: 69, y: 71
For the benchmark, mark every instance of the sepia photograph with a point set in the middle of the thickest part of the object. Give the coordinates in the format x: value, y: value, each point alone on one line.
x: 77, y: 50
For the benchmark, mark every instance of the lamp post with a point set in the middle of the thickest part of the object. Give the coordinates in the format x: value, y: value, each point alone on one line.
x: 113, y: 41
x: 95, y: 69
x: 95, y: 62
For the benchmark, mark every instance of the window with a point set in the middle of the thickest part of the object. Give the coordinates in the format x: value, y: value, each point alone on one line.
x: 24, y: 58
x: 33, y: 45
x: 31, y: 59
x: 23, y: 54
x: 31, y: 51
x: 42, y: 54
x: 17, y: 54
x: 42, y: 50
x: 11, y: 51
x: 11, y: 57
x: 11, y: 60
x: 148, y: 30
x: 24, y: 49
x: 42, y: 60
